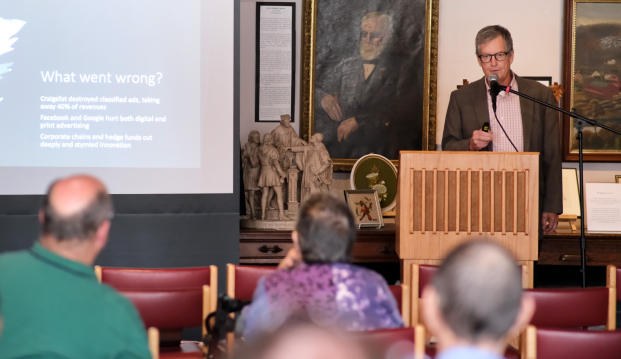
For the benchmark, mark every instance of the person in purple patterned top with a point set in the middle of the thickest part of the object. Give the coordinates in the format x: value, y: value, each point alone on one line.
x: 316, y: 281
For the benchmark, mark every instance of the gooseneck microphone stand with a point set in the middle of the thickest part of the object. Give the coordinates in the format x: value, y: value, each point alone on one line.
x: 581, y: 121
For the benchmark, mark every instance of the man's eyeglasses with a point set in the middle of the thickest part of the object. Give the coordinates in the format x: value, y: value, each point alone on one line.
x: 501, y: 56
x: 373, y: 35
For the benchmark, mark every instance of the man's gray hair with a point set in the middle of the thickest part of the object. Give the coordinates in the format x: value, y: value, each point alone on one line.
x: 385, y: 21
x: 79, y: 226
x: 326, y: 230
x: 480, y: 291
x: 491, y: 32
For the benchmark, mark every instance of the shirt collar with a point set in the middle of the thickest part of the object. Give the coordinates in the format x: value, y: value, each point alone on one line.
x: 513, y: 84
x: 44, y: 255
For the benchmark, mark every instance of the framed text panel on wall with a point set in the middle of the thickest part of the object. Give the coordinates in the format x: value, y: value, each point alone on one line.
x: 275, y: 61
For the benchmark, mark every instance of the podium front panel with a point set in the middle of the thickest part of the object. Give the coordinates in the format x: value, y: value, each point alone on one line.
x: 446, y: 198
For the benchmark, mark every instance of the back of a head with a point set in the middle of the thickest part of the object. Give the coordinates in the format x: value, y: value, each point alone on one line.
x: 74, y: 208
x: 326, y: 230
x: 479, y: 286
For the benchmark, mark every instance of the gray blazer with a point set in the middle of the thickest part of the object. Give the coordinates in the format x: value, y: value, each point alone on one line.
x: 468, y: 111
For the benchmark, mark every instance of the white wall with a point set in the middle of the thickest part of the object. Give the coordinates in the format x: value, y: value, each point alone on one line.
x: 536, y: 27
x: 247, y: 38
x: 537, y: 30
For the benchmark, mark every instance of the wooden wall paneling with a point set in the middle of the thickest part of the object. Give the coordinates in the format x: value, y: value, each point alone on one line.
x: 429, y: 215
x: 457, y: 200
x: 504, y: 202
x: 491, y: 201
x: 435, y: 199
x: 452, y: 203
x: 469, y: 197
x: 422, y: 202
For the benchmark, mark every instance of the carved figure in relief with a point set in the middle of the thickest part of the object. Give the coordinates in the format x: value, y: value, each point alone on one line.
x: 284, y: 137
x: 272, y: 175
x: 317, y: 166
x: 252, y: 170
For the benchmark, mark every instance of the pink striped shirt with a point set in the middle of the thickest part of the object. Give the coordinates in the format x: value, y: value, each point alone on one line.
x: 510, y: 116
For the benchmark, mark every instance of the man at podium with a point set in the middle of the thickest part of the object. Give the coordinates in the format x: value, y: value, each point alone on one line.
x: 518, y: 124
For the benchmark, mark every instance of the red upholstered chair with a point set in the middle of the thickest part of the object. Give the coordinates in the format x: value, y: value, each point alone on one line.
x: 572, y: 344
x: 241, y: 281
x: 169, y: 300
x: 421, y: 276
x: 574, y: 308
x: 402, y: 296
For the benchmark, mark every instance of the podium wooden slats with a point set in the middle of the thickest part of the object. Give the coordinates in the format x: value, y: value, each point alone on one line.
x: 446, y: 198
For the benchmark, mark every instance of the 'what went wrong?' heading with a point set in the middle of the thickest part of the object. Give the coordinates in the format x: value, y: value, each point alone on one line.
x: 55, y: 76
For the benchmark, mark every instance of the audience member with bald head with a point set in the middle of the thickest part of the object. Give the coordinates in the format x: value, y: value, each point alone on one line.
x: 50, y: 299
x: 475, y: 302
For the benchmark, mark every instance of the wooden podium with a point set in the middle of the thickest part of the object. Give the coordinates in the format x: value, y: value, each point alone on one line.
x: 447, y: 198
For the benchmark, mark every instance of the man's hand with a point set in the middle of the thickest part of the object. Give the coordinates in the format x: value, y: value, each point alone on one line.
x: 549, y: 222
x: 480, y: 140
x: 346, y: 128
x: 291, y: 260
x: 332, y: 107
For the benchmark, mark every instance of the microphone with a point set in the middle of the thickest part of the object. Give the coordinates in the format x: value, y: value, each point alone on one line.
x: 494, y: 89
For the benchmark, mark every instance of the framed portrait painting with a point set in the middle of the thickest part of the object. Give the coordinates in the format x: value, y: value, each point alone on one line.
x: 592, y: 73
x: 369, y: 76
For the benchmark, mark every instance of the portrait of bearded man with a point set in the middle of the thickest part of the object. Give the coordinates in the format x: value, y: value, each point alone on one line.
x: 368, y: 94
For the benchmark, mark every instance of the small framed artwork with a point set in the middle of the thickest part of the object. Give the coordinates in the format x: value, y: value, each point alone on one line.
x: 617, y: 178
x: 378, y: 173
x: 365, y: 206
x: 571, y: 198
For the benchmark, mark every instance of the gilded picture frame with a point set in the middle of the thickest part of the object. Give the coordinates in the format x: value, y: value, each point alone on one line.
x: 591, y: 73
x: 330, y: 33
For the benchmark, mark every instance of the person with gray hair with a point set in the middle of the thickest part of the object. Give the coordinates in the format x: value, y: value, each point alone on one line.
x: 517, y: 124
x: 316, y: 282
x: 475, y: 301
x: 51, y: 301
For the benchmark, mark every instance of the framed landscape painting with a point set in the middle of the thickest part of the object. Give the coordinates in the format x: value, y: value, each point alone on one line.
x: 592, y: 73
x: 369, y: 76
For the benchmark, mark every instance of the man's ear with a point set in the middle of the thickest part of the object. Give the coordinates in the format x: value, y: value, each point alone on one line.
x: 101, y: 236
x: 431, y: 313
x: 41, y: 216
x: 296, y: 241
x: 527, y: 309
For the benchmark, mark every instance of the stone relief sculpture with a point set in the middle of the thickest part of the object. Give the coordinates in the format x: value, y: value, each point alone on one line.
x: 317, y: 166
x: 273, y: 167
x: 272, y: 175
x: 251, y: 168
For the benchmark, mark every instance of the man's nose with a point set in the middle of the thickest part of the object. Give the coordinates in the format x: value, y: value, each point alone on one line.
x: 493, y: 62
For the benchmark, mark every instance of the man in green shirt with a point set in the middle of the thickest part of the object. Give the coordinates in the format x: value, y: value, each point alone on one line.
x: 51, y: 303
